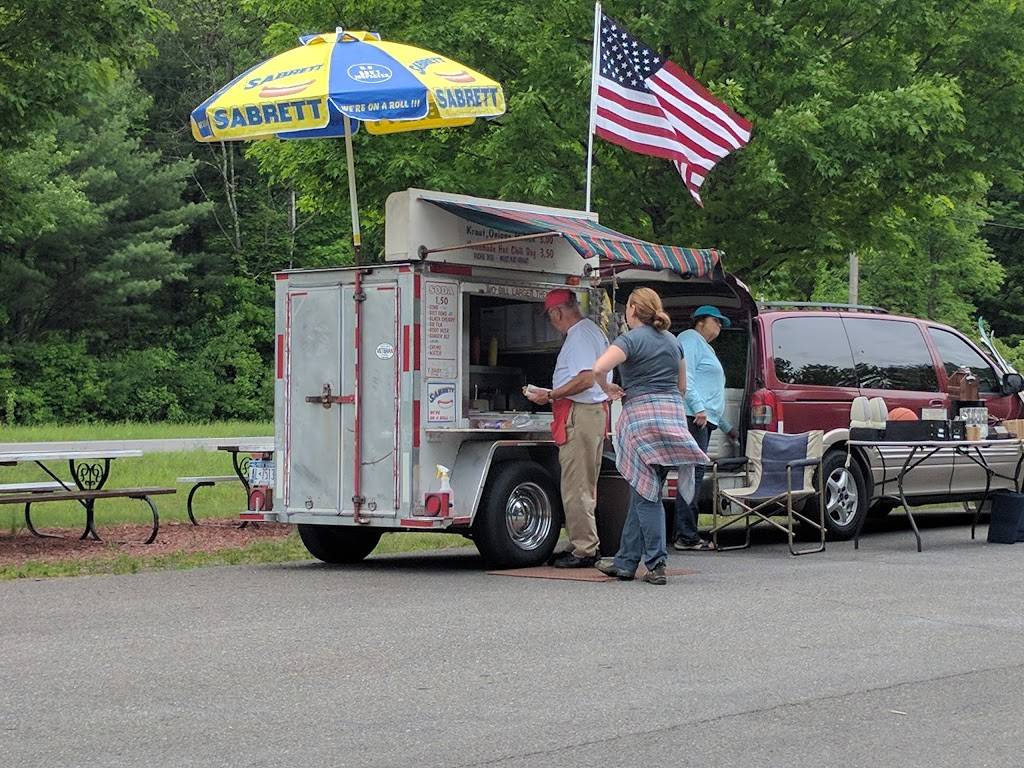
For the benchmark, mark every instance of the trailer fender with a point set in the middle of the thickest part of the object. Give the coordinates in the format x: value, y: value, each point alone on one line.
x: 474, y: 461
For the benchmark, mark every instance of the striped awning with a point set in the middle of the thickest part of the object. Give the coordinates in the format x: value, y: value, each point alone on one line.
x: 590, y: 238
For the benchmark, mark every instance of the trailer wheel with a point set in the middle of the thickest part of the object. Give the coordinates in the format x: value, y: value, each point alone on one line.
x: 339, y: 544
x: 520, y: 516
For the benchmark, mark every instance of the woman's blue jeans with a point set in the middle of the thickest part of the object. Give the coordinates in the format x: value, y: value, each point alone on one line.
x: 643, y: 535
x: 687, y: 511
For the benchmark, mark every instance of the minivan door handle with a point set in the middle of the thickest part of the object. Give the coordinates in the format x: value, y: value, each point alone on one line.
x: 937, y: 403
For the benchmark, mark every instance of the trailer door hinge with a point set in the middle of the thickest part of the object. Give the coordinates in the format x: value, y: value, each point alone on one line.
x: 326, y: 399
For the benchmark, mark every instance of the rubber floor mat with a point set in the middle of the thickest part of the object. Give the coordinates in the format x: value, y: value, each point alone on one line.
x: 576, y: 574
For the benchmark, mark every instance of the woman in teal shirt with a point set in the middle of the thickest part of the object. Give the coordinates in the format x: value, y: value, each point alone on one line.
x: 705, y: 411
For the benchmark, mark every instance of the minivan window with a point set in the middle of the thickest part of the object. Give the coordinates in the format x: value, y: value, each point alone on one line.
x: 731, y: 348
x: 957, y: 353
x: 891, y: 354
x: 814, y: 351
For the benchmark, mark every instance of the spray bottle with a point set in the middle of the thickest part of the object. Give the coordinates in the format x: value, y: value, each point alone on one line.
x: 439, y: 501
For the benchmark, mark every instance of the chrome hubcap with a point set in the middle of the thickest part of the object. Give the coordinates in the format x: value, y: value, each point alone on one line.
x: 841, y: 496
x: 528, y: 516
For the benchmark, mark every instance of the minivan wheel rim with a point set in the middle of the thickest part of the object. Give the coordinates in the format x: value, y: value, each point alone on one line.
x: 841, y: 498
x: 528, y: 516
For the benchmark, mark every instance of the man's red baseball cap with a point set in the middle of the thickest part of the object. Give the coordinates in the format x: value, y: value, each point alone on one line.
x: 557, y: 298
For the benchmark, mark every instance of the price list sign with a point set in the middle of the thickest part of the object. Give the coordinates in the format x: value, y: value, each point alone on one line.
x: 442, y: 329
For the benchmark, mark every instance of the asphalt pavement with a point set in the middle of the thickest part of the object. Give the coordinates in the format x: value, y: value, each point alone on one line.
x: 876, y: 657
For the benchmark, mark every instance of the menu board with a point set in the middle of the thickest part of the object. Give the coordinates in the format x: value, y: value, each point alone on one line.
x: 519, y: 325
x: 442, y: 299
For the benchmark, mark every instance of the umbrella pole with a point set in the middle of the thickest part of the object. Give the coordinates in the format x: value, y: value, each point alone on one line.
x: 357, y: 240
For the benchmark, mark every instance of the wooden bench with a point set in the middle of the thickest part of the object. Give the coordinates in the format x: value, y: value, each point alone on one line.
x: 87, y: 499
x: 202, y: 482
x: 43, y: 487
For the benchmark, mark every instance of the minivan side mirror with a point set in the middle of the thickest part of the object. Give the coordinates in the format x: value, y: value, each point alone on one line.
x: 1013, y: 383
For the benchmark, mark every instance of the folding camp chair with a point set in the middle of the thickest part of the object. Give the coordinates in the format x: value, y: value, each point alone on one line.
x: 769, y: 465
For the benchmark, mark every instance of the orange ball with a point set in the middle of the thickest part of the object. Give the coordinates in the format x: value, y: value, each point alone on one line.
x: 902, y: 414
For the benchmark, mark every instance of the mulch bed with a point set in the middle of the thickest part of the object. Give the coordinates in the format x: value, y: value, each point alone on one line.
x: 174, y: 537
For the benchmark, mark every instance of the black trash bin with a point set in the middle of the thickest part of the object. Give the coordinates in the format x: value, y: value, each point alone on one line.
x: 612, y: 506
x: 1007, y: 520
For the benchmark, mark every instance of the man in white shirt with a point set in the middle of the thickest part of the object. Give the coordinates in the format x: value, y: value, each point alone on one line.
x: 580, y: 409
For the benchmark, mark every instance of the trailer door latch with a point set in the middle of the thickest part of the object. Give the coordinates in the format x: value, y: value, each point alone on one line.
x: 326, y: 399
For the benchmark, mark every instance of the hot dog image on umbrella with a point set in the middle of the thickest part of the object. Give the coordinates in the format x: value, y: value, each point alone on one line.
x: 332, y: 82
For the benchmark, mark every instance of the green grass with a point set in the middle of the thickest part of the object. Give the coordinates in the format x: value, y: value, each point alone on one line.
x: 258, y: 553
x: 132, y: 431
x: 160, y: 469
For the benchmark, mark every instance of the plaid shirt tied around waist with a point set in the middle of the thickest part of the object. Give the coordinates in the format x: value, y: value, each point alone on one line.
x: 652, y: 432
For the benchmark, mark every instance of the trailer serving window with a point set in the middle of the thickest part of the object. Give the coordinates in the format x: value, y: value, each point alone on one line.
x: 509, y: 344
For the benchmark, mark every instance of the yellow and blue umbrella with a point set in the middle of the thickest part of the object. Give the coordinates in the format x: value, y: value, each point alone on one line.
x: 332, y: 82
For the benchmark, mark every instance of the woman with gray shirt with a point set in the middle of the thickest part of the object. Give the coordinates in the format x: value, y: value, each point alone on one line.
x: 651, y: 431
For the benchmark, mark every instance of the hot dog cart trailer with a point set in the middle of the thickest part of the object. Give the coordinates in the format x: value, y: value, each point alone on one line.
x: 386, y: 374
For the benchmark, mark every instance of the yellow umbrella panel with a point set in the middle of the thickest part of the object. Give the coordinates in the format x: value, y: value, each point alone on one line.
x: 318, y: 89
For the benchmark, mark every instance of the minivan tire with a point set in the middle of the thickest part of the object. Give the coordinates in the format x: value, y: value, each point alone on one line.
x: 339, y: 544
x: 520, y: 516
x: 846, y: 496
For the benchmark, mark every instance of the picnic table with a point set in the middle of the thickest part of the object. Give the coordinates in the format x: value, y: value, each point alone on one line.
x: 89, y: 472
x: 975, y: 451
x: 243, y: 453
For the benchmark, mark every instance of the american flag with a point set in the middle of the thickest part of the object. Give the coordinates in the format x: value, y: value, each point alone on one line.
x: 649, y: 105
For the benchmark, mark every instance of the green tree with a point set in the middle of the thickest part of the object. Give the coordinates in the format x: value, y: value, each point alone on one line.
x: 874, y: 121
x: 97, y: 246
x: 53, y: 50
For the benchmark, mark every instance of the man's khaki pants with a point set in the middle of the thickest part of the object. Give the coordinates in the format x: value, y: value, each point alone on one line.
x: 580, y: 459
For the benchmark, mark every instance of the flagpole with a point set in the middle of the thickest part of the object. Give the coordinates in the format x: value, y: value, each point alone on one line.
x: 595, y: 62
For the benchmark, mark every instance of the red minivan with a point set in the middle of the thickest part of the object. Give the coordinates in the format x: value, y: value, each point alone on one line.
x: 808, y: 363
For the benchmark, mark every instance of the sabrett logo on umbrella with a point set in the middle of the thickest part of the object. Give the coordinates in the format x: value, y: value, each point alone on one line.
x: 258, y: 81
x: 480, y: 96
x: 263, y: 114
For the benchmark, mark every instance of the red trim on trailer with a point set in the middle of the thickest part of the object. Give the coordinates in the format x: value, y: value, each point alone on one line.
x: 396, y: 463
x: 408, y: 522
x: 288, y: 392
x: 405, y: 347
x: 250, y: 516
x: 280, y: 355
x: 451, y: 269
x: 385, y: 287
x: 405, y: 268
x: 417, y: 286
x: 461, y: 521
x: 357, y: 459
x: 415, y: 423
x: 417, y: 345
x: 280, y: 277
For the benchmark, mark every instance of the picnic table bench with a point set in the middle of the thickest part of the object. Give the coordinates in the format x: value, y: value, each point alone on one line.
x: 89, y: 471
x: 32, y: 487
x: 241, y: 456
x: 86, y: 499
x: 202, y: 481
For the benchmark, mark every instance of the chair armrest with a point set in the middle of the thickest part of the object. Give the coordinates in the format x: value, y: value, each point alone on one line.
x: 803, y: 463
x: 728, y: 463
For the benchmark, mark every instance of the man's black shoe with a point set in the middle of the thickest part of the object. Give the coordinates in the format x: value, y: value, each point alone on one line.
x: 570, y: 560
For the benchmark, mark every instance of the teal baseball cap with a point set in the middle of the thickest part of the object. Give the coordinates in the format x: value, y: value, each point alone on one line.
x: 707, y: 310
